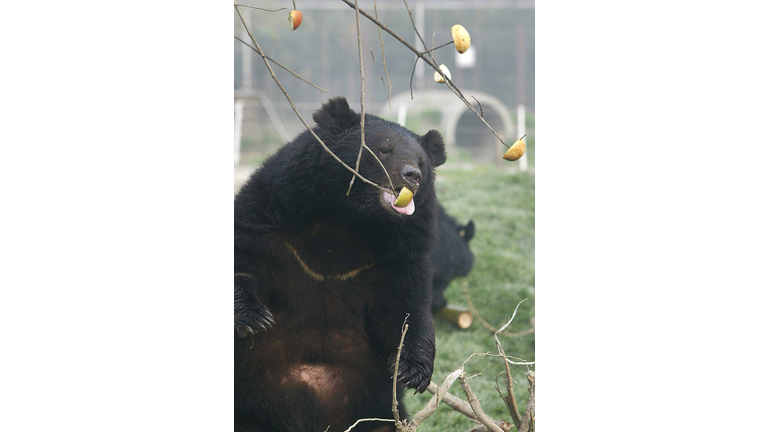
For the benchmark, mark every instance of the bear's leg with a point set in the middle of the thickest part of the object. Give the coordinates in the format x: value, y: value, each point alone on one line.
x: 251, y: 316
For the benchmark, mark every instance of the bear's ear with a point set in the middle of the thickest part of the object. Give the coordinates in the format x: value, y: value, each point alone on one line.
x: 335, y: 116
x: 468, y: 231
x: 433, y: 144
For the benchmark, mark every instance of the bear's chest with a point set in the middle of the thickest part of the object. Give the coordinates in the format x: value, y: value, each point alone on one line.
x: 327, y: 251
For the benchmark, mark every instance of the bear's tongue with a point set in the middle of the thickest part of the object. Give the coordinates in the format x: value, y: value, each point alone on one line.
x: 407, y: 210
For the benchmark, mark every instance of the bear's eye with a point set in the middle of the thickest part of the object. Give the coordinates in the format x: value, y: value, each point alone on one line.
x: 383, y: 151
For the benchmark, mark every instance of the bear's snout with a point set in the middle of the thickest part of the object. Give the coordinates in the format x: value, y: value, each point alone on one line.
x: 412, y: 176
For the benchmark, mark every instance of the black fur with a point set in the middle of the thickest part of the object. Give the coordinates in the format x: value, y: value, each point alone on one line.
x: 451, y: 257
x: 323, y: 281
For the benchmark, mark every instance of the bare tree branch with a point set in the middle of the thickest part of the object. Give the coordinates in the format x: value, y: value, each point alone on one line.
x: 454, y: 402
x: 266, y: 10
x: 475, y: 404
x: 395, y: 411
x: 293, y: 106
x: 384, y: 58
x: 503, y: 424
x: 362, y: 96
x: 281, y: 65
x: 431, y: 63
x: 429, y: 51
x: 367, y: 419
x: 528, y: 418
x: 509, y: 400
x: 417, y: 30
x: 439, y: 393
x: 485, y: 323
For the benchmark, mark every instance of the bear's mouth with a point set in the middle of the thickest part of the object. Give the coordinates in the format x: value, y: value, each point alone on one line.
x: 388, y: 200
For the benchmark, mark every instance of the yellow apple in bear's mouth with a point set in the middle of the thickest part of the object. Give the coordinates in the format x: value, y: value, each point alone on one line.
x: 404, y: 197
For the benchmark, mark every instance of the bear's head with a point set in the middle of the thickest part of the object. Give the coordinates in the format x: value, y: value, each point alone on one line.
x: 408, y: 159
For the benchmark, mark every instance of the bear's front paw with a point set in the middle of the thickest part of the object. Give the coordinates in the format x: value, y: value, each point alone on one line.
x: 414, y: 374
x: 250, y: 320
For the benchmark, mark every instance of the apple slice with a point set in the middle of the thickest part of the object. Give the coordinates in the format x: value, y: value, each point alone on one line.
x: 439, y: 78
x: 516, y: 151
x: 294, y: 19
x: 404, y: 197
x: 460, y: 38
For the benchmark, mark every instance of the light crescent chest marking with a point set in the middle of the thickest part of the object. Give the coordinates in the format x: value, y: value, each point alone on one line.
x: 319, y: 277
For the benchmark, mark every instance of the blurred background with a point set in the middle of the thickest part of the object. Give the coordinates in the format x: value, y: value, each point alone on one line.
x: 475, y: 184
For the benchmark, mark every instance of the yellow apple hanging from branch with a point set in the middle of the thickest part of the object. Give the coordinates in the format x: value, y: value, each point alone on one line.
x: 516, y: 151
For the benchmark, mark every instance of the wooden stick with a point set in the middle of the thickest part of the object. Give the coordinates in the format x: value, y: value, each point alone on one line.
x: 266, y: 10
x: 504, y: 425
x: 366, y: 419
x: 475, y: 404
x: 456, y: 315
x: 395, y: 411
x: 362, y: 97
x: 528, y: 418
x: 439, y: 393
x: 454, y: 402
x: 384, y: 58
x: 510, y: 400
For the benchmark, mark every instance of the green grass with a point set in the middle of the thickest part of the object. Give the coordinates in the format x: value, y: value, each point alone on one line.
x: 502, y: 206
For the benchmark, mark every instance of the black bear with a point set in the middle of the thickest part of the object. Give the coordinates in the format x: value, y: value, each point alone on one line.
x: 451, y: 256
x: 324, y: 280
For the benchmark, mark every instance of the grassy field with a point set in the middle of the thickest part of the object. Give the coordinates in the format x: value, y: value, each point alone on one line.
x: 502, y: 206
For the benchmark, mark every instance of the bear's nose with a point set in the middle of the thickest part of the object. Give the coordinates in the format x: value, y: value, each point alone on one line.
x: 412, y: 175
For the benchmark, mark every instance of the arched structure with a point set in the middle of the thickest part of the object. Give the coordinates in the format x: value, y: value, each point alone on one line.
x: 451, y: 108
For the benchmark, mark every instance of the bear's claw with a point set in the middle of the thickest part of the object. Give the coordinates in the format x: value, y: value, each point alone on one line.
x: 414, y: 375
x: 251, y: 320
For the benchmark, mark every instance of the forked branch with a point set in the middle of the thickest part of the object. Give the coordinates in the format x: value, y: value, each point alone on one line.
x: 293, y: 106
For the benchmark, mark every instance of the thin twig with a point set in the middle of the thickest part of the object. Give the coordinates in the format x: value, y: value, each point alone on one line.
x: 439, y: 393
x: 480, y: 105
x: 384, y: 58
x: 454, y: 402
x: 266, y: 10
x: 281, y: 65
x: 293, y: 106
x: 412, y: 72
x: 395, y: 411
x: 422, y: 42
x: 485, y: 323
x: 512, y: 402
x: 367, y: 419
x: 294, y: 4
x: 475, y: 404
x: 528, y: 419
x: 437, y: 48
x: 416, y: 29
x: 432, y: 64
x: 507, y: 357
x: 362, y: 96
x: 503, y: 424
x: 382, y: 166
